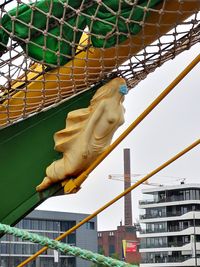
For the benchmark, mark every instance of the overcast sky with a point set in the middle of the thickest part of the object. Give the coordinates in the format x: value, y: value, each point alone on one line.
x: 171, y: 127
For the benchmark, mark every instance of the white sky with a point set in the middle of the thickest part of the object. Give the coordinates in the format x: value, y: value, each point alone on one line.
x: 171, y: 127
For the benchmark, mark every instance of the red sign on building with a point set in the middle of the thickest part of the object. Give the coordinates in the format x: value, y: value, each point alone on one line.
x: 131, y: 246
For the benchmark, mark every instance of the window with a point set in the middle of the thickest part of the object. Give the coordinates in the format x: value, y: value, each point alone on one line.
x: 46, y: 262
x: 26, y: 224
x: 65, y: 225
x: 186, y: 239
x: 162, y: 197
x: 100, y: 249
x: 3, y: 248
x: 49, y: 225
x: 187, y: 195
x: 193, y: 194
x: 155, y: 242
x: 197, y: 194
x: 5, y: 238
x: 148, y: 242
x: 90, y: 225
x: 72, y: 239
x: 130, y: 229
x: 42, y: 224
x: 69, y: 262
x: 111, y: 249
x: 184, y: 209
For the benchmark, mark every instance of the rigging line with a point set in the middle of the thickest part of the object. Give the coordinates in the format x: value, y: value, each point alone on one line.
x: 108, y: 204
x: 5, y: 3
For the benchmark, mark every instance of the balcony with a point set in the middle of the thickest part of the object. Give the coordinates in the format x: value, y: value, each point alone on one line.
x: 166, y: 199
x: 167, y: 214
x: 166, y: 259
x: 164, y: 245
x: 165, y: 230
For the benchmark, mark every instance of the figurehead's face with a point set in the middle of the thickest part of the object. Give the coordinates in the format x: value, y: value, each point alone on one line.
x: 115, y: 88
x: 118, y: 86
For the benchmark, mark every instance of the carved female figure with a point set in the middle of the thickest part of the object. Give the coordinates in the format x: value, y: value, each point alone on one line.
x: 88, y: 133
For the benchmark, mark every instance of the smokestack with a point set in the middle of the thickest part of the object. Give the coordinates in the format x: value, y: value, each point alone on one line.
x: 127, y: 183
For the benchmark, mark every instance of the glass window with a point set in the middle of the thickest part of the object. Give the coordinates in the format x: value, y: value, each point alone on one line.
x: 56, y: 226
x: 162, y: 197
x: 44, y: 226
x: 111, y: 249
x: 3, y: 248
x: 156, y: 242
x: 193, y: 194
x: 155, y: 197
x: 197, y: 194
x: 148, y: 242
x: 72, y: 239
x: 39, y: 224
x: 66, y: 225
x: 187, y: 195
x: 18, y: 249
x: 186, y: 239
x: 69, y: 262
x: 90, y: 225
x: 19, y: 224
x: 184, y: 209
x: 46, y: 262
x: 26, y: 224
x: 50, y: 252
x: 49, y: 225
x: 5, y: 238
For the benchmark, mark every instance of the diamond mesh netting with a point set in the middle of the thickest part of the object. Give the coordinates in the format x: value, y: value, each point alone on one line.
x: 51, y: 50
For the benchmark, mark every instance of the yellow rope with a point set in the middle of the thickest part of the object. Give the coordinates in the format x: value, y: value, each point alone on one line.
x: 128, y: 190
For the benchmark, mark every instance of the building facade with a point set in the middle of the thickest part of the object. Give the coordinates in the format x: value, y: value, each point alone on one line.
x: 50, y: 224
x: 121, y: 243
x: 171, y: 226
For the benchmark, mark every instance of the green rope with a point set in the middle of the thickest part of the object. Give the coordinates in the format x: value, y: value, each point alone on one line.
x: 64, y: 248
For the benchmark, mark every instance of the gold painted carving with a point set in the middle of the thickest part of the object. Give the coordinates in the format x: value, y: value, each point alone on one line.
x: 88, y: 133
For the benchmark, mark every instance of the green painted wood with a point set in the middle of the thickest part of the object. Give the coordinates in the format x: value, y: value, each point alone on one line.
x: 26, y: 149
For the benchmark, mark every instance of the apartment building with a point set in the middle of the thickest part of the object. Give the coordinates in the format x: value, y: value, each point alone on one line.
x: 170, y: 218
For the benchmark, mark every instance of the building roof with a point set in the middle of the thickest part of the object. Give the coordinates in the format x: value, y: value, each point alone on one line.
x: 57, y: 215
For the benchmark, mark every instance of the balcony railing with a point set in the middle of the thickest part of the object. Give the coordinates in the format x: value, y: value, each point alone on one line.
x: 167, y: 199
x: 165, y: 214
x: 166, y: 259
x: 164, y: 245
x: 164, y: 230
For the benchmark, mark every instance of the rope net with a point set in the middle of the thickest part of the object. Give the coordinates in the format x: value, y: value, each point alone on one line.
x: 51, y: 50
